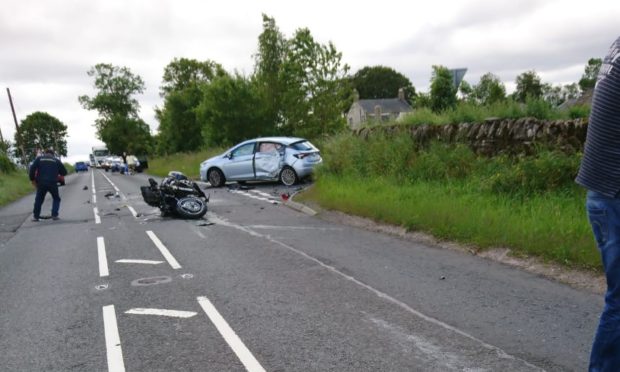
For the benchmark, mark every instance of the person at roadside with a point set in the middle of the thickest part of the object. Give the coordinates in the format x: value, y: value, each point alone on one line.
x: 43, y: 174
x: 599, y: 173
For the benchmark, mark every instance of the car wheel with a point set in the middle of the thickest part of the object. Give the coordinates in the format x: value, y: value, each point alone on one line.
x: 288, y: 176
x: 216, y: 177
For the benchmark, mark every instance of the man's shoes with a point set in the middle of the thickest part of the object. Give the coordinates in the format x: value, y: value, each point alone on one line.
x: 55, y: 218
x: 34, y: 219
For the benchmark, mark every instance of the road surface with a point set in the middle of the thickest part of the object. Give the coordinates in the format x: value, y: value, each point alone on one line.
x: 258, y: 286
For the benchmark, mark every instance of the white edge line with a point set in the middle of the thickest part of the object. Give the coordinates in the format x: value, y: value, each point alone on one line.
x: 164, y: 251
x: 235, y: 343
x: 146, y: 262
x: 500, y: 352
x: 133, y: 211
x: 96, y: 212
x: 103, y: 261
x: 112, y: 340
x: 161, y: 312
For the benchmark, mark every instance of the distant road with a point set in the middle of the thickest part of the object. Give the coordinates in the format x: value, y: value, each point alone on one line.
x: 259, y: 286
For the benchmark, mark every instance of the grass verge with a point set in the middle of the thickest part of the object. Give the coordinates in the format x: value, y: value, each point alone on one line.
x: 13, y: 186
x: 188, y: 163
x: 551, y: 226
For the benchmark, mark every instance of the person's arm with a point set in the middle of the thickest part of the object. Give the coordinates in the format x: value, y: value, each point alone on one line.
x: 33, y: 169
x: 61, y: 168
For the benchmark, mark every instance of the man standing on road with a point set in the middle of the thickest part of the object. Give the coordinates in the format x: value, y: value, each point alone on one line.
x: 43, y: 174
x: 600, y: 174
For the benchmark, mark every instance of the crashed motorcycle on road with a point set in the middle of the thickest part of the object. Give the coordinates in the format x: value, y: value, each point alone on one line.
x: 176, y: 195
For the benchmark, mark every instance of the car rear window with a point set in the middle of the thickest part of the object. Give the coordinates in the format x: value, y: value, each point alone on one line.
x: 303, y: 146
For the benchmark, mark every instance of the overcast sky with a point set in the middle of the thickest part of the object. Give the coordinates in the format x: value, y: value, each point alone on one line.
x: 49, y: 45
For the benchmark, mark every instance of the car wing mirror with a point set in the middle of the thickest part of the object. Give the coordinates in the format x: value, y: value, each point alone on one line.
x: 229, y: 155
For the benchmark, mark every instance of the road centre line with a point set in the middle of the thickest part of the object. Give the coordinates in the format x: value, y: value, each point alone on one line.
x: 94, y: 199
x: 164, y: 251
x: 500, y: 352
x: 146, y: 262
x: 114, y: 186
x: 93, y: 180
x: 96, y: 212
x: 161, y: 312
x: 235, y: 343
x: 112, y: 340
x: 103, y: 261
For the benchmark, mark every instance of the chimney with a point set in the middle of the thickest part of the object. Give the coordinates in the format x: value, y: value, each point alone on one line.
x: 401, y: 94
x: 378, y: 113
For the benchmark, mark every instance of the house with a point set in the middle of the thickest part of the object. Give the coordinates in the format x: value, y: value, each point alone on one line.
x: 369, y: 110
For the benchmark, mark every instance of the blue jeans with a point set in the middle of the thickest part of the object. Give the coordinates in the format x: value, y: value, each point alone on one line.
x: 604, y: 216
x: 43, y: 189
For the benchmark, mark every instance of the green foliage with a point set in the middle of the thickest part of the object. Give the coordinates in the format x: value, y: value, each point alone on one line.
x: 579, y: 111
x: 588, y: 79
x: 188, y: 163
x: 381, y: 82
x: 118, y: 124
x: 545, y: 172
x: 539, y: 109
x: 489, y: 90
x: 301, y: 82
x: 183, y: 82
x: 232, y: 111
x: 6, y: 165
x: 528, y: 85
x: 442, y: 162
x: 40, y: 131
x: 13, y: 186
x: 443, y: 91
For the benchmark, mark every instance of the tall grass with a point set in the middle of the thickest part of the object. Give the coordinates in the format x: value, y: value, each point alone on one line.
x: 14, y: 185
x: 529, y: 203
x: 466, y: 112
x: 188, y: 163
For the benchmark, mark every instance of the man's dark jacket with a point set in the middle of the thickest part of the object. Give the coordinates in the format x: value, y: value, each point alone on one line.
x: 45, y: 170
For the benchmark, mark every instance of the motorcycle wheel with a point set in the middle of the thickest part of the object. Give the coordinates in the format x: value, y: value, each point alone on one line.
x: 191, y: 207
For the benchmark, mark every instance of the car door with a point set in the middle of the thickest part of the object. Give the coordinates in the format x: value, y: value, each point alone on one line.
x: 268, y: 160
x: 240, y: 163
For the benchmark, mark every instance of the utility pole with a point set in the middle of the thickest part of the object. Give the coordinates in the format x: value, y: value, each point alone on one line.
x: 17, y: 128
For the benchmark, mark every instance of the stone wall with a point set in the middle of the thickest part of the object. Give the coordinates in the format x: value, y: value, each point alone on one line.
x: 495, y: 136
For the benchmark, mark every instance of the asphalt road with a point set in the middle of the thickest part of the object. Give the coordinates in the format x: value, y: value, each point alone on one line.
x: 257, y: 286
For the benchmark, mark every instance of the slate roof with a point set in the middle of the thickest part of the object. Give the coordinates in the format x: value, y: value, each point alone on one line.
x: 388, y: 105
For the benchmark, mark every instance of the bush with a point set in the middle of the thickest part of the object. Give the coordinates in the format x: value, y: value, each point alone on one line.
x: 579, y: 111
x: 546, y: 171
x: 6, y: 166
x: 443, y: 162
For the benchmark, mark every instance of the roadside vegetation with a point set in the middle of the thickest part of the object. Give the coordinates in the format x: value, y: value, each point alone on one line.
x: 529, y: 204
x: 188, y: 163
x: 14, y: 183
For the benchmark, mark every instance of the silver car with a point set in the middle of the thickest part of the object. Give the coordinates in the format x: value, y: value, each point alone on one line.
x: 284, y: 159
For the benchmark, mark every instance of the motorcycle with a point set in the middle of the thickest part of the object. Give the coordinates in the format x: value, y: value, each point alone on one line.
x: 176, y: 195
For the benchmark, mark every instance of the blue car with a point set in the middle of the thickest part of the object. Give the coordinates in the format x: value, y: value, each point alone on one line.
x: 81, y: 166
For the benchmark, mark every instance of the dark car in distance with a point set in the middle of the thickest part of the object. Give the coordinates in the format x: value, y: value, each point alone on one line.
x: 81, y: 166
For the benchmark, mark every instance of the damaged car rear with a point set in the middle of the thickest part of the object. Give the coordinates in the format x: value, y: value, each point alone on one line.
x: 284, y: 159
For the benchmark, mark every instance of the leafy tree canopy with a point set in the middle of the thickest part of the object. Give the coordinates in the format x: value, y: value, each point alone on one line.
x: 381, y: 82
x: 489, y: 90
x: 528, y: 85
x: 443, y: 91
x: 118, y: 124
x: 40, y: 131
x: 183, y: 73
x: 588, y: 79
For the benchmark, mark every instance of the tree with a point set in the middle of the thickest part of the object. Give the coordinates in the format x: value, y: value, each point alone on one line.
x: 232, y: 111
x: 183, y: 81
x: 466, y: 90
x: 555, y: 95
x: 443, y: 91
x: 528, y: 85
x: 302, y: 82
x: 314, y: 83
x: 381, y: 82
x: 588, y: 79
x: 39, y: 131
x: 489, y: 90
x: 118, y: 124
x: 268, y: 63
